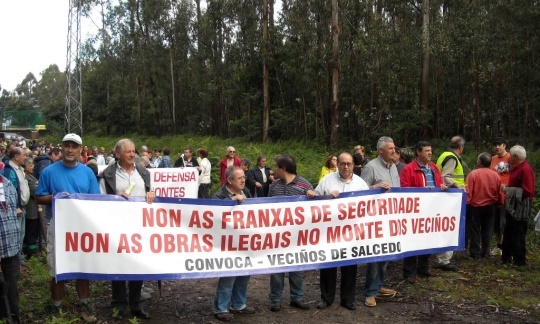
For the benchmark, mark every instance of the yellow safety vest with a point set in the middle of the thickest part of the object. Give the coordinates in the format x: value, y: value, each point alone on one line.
x: 458, y: 176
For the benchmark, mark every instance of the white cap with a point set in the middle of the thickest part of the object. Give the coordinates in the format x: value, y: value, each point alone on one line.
x: 72, y: 138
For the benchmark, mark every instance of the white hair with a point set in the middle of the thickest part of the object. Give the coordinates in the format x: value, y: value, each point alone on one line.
x: 381, y: 143
x: 519, y: 151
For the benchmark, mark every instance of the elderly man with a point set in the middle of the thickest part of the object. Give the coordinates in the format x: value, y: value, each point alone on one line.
x: 483, y: 195
x: 67, y: 176
x: 144, y: 149
x: 260, y: 177
x: 233, y: 289
x: 14, y: 172
x: 100, y: 159
x: 519, y: 196
x: 229, y: 160
x: 332, y: 184
x: 9, y: 252
x: 420, y: 173
x: 127, y: 179
x: 288, y: 183
x: 380, y: 173
x: 453, y: 171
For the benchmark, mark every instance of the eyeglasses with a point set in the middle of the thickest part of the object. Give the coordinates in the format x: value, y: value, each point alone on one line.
x: 232, y: 151
x: 346, y: 164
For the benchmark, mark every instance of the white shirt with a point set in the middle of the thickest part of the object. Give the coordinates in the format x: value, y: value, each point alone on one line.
x: 204, y: 177
x: 100, y: 159
x: 124, y: 180
x: 156, y: 161
x: 333, y: 181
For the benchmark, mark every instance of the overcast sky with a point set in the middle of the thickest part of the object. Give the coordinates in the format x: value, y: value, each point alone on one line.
x: 33, y: 34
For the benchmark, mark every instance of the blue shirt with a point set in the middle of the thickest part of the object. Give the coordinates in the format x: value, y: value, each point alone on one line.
x: 9, y: 223
x: 60, y: 178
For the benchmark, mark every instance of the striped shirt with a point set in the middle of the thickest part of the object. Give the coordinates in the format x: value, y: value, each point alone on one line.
x: 430, y: 180
x: 298, y: 187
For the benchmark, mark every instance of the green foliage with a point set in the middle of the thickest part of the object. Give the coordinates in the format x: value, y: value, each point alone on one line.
x: 484, y: 281
x: 173, y: 67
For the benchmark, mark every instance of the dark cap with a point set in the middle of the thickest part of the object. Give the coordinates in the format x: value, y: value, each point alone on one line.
x: 157, y: 150
x: 499, y: 140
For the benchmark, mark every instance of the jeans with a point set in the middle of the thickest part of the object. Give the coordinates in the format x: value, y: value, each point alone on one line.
x: 277, y: 282
x: 9, y: 288
x: 375, y: 273
x: 232, y: 289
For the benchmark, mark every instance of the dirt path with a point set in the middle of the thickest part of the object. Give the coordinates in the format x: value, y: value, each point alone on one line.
x: 191, y: 301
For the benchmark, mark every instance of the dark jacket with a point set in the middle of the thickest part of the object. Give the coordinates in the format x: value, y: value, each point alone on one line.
x: 223, y: 194
x: 41, y: 162
x: 31, y: 206
x: 180, y: 163
x: 518, y: 207
x: 255, y: 175
x: 109, y: 174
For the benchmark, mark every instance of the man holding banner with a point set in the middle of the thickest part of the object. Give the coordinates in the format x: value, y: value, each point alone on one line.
x: 380, y: 173
x: 420, y: 173
x: 288, y: 183
x: 232, y: 289
x: 127, y: 179
x: 69, y: 177
x: 331, y: 185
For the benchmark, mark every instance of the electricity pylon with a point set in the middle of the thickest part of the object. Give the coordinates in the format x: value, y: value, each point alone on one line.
x: 73, y: 108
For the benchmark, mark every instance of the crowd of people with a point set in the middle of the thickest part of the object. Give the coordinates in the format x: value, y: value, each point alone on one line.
x: 499, y: 195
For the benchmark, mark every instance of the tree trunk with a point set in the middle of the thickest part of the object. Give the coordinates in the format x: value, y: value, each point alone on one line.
x: 424, y: 92
x: 335, y: 78
x: 266, y: 83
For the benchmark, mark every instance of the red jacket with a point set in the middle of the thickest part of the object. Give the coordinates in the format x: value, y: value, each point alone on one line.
x: 223, y: 167
x: 413, y: 176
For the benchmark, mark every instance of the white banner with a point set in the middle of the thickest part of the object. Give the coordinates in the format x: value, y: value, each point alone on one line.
x: 175, y: 182
x: 109, y: 237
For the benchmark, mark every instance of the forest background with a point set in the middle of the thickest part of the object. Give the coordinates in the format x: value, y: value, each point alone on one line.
x: 327, y: 71
x: 311, y: 78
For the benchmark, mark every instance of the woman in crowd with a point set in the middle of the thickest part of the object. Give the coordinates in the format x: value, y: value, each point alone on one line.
x: 204, y: 177
x: 33, y: 224
x: 329, y: 166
